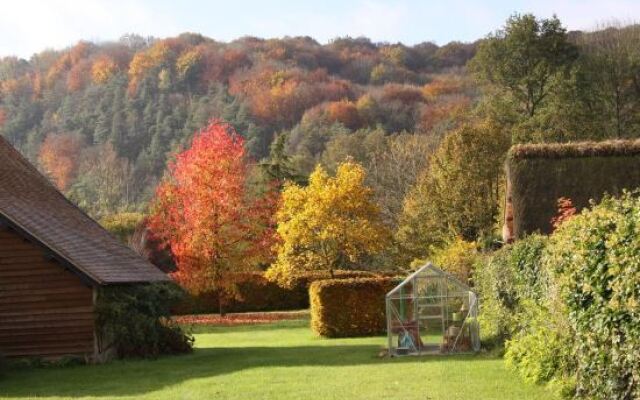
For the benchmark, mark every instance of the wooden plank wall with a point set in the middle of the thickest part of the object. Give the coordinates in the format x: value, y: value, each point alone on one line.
x: 45, y: 310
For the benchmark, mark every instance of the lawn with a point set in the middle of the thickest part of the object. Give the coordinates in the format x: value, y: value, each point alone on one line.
x: 280, y: 360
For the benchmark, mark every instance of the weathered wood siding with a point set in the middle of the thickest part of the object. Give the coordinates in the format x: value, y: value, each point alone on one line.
x: 45, y: 310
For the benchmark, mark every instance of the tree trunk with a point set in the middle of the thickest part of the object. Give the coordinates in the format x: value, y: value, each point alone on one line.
x: 221, y: 309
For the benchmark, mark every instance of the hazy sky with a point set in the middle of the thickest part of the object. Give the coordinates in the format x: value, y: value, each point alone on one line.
x: 28, y: 26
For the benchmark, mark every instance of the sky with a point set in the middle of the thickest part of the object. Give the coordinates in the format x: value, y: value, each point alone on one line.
x: 30, y: 26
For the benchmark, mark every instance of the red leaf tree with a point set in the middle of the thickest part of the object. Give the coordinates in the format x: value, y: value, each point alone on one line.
x: 207, y: 212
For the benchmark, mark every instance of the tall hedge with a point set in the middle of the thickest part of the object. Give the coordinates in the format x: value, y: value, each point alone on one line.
x: 252, y: 291
x: 540, y: 174
x: 349, y: 307
x: 596, y: 256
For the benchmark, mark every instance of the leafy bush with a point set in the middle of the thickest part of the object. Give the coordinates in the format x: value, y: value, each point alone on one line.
x: 541, y: 350
x: 135, y: 320
x: 520, y: 305
x: 349, y: 307
x: 504, y: 280
x: 596, y: 257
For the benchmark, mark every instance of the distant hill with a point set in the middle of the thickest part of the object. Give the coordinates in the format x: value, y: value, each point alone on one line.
x: 103, y: 118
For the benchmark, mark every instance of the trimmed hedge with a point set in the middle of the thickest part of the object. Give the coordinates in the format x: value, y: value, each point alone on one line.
x: 541, y: 174
x: 254, y: 292
x: 349, y: 307
x: 575, y: 149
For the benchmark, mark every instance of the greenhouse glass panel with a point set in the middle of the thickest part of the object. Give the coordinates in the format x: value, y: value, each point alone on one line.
x: 432, y: 312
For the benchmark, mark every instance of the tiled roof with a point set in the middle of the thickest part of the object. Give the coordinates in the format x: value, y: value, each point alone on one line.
x: 32, y: 204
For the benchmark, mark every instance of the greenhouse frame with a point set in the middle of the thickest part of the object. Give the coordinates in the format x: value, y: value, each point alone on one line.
x: 432, y: 312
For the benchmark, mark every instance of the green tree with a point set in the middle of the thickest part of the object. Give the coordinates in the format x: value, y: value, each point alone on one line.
x: 524, y: 59
x: 457, y: 194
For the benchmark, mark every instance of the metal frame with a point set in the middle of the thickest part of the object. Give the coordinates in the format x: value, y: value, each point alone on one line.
x: 430, y: 288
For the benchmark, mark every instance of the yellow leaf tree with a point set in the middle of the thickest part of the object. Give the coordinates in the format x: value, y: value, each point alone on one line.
x: 333, y: 223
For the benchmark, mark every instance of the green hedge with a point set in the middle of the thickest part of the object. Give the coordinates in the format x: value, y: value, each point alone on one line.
x: 596, y: 256
x: 569, y: 306
x: 521, y: 310
x: 506, y: 280
x: 252, y: 291
x: 349, y: 307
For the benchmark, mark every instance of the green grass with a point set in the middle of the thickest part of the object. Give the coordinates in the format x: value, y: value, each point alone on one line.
x: 278, y: 361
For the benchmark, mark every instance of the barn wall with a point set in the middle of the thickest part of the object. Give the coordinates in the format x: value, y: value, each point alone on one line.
x: 45, y: 310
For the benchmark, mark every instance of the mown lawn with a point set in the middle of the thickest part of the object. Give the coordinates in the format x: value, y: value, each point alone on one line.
x: 277, y: 361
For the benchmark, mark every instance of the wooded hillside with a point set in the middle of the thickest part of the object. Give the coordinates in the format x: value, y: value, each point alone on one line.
x: 102, y: 119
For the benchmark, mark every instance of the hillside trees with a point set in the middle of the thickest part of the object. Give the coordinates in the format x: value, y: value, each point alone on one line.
x: 392, y: 163
x: 59, y: 156
x: 457, y: 194
x: 205, y: 211
x: 333, y: 223
x: 104, y: 183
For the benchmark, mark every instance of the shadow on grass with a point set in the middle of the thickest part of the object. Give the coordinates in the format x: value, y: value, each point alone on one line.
x: 131, y: 378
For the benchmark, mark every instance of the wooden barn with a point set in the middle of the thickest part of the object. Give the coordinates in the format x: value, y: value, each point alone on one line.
x: 53, y: 258
x: 539, y: 174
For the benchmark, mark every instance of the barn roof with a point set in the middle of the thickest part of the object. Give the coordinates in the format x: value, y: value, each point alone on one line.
x: 32, y: 205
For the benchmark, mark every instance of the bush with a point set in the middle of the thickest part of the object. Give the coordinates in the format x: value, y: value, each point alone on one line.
x: 596, y: 256
x: 541, y: 350
x: 135, y: 320
x: 520, y: 305
x: 349, y: 307
x: 505, y: 280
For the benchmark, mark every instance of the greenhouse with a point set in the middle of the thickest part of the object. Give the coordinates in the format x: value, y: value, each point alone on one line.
x: 432, y: 312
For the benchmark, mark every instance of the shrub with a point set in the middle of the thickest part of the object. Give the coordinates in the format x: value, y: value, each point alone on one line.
x: 596, y: 258
x: 520, y: 305
x: 135, y: 320
x: 541, y: 350
x: 505, y: 280
x: 349, y: 307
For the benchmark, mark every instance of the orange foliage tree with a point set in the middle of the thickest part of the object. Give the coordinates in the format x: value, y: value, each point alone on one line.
x: 345, y: 112
x: 207, y: 214
x: 280, y: 97
x: 59, y: 156
x: 103, y: 69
